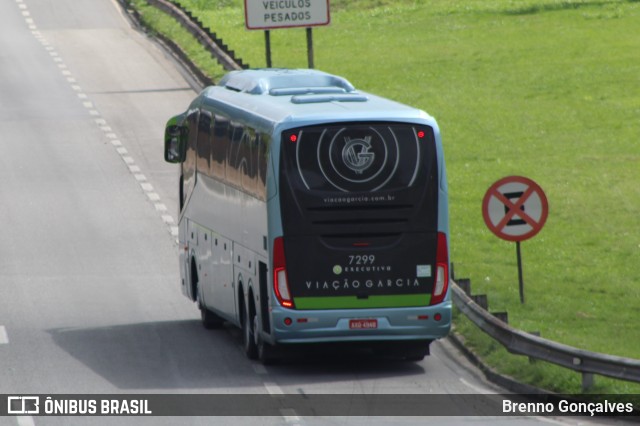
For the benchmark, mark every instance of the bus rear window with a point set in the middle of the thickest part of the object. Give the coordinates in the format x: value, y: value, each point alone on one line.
x: 338, y: 177
x: 357, y: 157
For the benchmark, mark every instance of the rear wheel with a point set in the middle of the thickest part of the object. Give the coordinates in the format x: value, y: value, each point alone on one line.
x: 248, y: 334
x: 416, y: 351
x: 210, y: 320
x: 266, y: 353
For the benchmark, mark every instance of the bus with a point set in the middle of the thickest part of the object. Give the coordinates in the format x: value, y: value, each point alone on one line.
x: 311, y: 212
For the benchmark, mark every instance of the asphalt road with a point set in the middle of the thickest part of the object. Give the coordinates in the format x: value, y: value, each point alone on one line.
x: 89, y: 293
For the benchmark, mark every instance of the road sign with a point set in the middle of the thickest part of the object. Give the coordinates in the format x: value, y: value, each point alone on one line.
x: 515, y: 208
x: 272, y: 14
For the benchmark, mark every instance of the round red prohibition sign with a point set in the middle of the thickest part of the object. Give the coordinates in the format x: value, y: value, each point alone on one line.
x: 515, y: 208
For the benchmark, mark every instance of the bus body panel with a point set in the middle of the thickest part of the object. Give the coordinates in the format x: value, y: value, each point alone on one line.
x: 333, y: 326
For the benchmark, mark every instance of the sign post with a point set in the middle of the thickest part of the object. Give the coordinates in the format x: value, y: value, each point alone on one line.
x: 515, y: 209
x: 273, y: 14
x: 267, y: 47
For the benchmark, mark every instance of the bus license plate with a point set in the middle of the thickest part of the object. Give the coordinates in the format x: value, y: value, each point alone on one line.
x: 363, y: 324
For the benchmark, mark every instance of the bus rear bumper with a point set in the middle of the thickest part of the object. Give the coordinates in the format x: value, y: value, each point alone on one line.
x: 382, y: 324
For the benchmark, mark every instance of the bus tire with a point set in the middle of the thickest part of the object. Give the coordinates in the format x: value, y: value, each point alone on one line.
x: 414, y: 358
x: 416, y: 351
x: 210, y: 321
x: 266, y: 353
x: 248, y: 334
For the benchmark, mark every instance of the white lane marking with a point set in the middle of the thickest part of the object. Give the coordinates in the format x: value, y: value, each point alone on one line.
x: 273, y: 389
x: 476, y: 388
x: 549, y: 420
x: 4, y: 337
x: 102, y: 123
x: 290, y: 415
x: 25, y: 421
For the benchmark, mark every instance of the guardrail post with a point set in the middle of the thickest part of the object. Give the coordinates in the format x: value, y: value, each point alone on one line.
x: 502, y: 316
x: 532, y: 360
x: 588, y: 381
x: 465, y: 285
x: 481, y: 300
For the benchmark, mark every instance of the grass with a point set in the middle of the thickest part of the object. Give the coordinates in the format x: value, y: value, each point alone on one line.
x: 157, y: 21
x: 546, y: 89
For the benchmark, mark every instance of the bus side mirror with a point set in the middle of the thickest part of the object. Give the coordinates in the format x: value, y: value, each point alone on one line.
x: 174, y: 137
x: 174, y: 146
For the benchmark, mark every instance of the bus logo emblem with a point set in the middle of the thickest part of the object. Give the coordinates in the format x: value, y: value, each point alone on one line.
x: 356, y: 155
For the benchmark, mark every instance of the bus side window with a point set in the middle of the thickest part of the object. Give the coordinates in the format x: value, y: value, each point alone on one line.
x: 248, y: 165
x: 204, y: 143
x: 262, y: 142
x: 219, y: 146
x: 234, y: 160
x: 189, y: 164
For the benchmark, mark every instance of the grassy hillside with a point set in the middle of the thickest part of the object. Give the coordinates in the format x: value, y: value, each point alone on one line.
x: 546, y: 89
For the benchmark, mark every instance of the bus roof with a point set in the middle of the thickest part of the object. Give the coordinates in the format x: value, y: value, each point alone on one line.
x: 301, y: 95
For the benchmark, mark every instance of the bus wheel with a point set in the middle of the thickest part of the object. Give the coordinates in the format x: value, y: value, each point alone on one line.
x: 416, y: 351
x: 248, y: 333
x: 266, y: 353
x: 209, y: 319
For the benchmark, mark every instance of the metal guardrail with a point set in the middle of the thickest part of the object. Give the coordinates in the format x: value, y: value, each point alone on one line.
x: 522, y: 343
x: 205, y: 36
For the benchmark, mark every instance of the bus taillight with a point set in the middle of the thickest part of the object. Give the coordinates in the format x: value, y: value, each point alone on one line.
x: 280, y: 283
x: 442, y: 270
